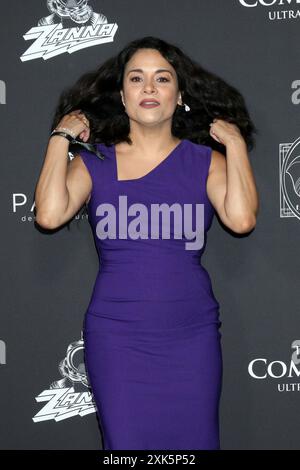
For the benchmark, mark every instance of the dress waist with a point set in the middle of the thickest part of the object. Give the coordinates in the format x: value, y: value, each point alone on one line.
x: 158, y: 283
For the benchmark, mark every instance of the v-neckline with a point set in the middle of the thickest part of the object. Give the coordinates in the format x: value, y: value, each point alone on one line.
x: 170, y: 154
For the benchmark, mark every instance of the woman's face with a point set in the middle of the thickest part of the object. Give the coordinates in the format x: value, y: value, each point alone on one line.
x: 150, y: 83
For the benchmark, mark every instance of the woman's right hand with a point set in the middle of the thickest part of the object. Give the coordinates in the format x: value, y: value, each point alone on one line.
x: 78, y: 124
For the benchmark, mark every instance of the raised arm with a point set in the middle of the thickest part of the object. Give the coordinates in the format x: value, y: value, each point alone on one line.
x: 231, y: 186
x: 63, y: 186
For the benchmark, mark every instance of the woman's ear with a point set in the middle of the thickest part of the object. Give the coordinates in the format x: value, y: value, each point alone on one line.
x: 179, y: 102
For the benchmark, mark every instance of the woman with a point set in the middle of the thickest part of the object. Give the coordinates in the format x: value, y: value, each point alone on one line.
x: 167, y: 132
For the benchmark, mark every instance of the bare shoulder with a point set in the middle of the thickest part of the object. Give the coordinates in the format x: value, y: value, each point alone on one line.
x: 77, y: 165
x: 217, y: 182
x: 217, y: 163
x: 77, y: 161
x: 78, y: 176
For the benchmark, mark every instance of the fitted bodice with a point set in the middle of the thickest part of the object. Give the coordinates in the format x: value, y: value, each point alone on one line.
x: 152, y: 229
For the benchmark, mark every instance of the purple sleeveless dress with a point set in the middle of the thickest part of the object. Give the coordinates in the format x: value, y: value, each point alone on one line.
x: 151, y: 330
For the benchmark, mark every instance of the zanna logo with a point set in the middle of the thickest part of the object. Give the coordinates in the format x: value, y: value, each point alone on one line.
x: 71, y: 26
x: 289, y: 179
x: 63, y: 401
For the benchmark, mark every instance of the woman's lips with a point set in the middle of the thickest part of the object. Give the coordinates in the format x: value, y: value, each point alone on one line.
x: 149, y: 105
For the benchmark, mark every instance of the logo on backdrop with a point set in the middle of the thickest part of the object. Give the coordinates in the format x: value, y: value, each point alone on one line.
x: 2, y: 352
x: 289, y: 179
x: 261, y: 368
x: 281, y: 9
x: 24, y: 208
x: 68, y: 396
x: 71, y: 26
x: 2, y: 92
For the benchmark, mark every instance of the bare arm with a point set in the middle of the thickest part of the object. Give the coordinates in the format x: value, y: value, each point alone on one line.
x: 231, y: 188
x: 63, y: 186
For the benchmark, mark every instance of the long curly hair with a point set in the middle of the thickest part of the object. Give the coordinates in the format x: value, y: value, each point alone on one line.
x: 97, y: 95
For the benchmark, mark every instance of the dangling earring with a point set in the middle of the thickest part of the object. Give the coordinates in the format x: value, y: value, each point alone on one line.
x: 186, y: 107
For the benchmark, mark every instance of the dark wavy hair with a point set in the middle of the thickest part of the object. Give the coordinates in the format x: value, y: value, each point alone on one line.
x: 97, y: 95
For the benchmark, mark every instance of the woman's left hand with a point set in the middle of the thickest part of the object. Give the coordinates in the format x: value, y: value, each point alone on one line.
x: 224, y: 131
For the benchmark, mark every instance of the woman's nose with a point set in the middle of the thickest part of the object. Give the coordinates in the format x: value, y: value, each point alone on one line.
x: 149, y: 86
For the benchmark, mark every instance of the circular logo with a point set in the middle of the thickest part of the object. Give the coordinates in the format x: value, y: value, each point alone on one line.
x: 290, y: 178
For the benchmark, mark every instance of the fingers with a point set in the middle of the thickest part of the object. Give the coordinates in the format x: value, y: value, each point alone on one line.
x: 81, y: 116
x: 84, y: 120
x: 84, y: 135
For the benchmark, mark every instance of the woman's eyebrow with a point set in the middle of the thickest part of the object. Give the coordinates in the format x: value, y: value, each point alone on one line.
x: 157, y: 71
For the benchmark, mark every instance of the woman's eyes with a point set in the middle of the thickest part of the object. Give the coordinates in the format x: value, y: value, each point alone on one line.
x: 163, y: 78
